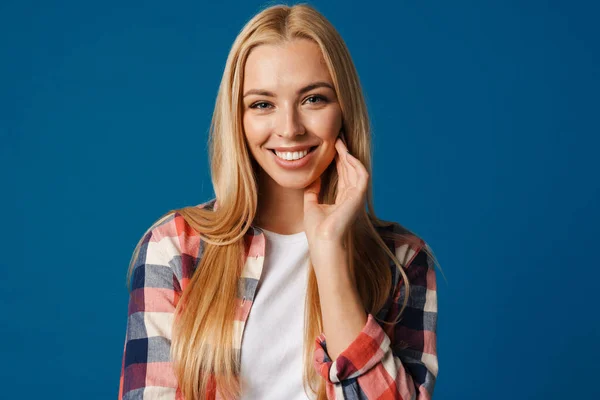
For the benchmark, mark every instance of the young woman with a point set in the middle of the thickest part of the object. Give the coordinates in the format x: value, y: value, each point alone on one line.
x: 285, y: 285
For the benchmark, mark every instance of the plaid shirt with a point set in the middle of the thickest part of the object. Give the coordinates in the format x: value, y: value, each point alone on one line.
x: 383, y: 362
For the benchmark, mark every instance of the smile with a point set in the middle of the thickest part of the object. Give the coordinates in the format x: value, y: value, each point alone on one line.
x: 292, y: 155
x: 293, y: 159
x: 296, y: 155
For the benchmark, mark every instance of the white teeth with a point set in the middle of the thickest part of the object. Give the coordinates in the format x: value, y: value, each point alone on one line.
x: 296, y: 155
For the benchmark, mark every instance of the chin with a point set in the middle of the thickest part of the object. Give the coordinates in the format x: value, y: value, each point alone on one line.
x: 293, y: 183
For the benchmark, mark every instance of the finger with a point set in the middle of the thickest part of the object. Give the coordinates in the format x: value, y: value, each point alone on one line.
x: 353, y: 202
x: 341, y: 169
x: 343, y: 152
x: 311, y: 192
x: 362, y: 175
x: 343, y: 137
x: 341, y: 147
x: 350, y: 171
x: 339, y: 166
x: 342, y: 183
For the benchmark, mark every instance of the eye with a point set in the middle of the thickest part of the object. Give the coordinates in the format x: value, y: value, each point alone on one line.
x: 315, y: 99
x: 261, y: 105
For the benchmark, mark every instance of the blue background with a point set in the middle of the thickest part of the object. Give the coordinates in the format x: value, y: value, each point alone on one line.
x: 485, y: 127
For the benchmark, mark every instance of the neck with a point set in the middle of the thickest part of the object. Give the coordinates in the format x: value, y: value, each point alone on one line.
x: 280, y: 210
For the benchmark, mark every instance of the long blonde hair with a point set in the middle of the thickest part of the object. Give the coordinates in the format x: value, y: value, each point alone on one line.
x: 203, y: 331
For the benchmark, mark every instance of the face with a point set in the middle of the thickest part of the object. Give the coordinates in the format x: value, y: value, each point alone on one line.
x: 291, y: 114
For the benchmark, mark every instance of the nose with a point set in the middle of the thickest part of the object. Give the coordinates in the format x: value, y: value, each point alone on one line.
x: 289, y: 123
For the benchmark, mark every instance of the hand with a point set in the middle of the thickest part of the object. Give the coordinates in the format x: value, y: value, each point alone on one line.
x: 329, y: 223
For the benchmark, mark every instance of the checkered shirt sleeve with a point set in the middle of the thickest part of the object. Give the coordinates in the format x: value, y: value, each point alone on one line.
x: 147, y: 371
x: 399, y: 362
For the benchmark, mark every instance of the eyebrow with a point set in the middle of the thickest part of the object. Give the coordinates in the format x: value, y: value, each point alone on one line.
x: 305, y: 89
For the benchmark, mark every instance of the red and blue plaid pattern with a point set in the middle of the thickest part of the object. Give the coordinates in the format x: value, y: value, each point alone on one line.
x: 384, y: 362
x: 390, y: 362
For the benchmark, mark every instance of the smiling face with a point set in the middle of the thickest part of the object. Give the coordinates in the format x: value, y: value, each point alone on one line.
x: 290, y: 105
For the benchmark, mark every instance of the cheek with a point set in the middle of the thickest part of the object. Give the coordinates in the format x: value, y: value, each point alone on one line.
x: 326, y: 124
x: 255, y: 131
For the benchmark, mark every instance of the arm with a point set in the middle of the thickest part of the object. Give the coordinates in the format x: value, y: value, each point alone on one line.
x: 396, y: 363
x: 342, y: 311
x: 147, y: 371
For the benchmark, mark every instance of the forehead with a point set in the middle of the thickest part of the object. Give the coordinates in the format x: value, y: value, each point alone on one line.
x: 293, y: 63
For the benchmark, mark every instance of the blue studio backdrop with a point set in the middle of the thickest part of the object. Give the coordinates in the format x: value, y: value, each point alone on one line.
x: 485, y: 132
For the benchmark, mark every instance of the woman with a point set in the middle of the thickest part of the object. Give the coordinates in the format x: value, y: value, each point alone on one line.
x: 284, y: 286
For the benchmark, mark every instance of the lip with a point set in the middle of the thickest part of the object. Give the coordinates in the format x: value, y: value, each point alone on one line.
x: 293, y: 148
x: 294, y: 164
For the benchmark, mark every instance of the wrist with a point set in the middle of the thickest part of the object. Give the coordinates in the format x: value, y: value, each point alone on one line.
x: 330, y: 243
x: 328, y: 256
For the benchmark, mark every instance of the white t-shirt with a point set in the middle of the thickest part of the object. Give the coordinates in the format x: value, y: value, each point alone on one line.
x: 271, y: 353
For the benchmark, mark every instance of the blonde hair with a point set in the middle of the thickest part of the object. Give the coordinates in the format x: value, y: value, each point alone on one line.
x: 203, y: 331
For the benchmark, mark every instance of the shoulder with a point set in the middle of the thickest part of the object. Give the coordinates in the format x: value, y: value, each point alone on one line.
x: 172, y: 228
x: 406, y: 245
x: 413, y: 253
x: 172, y: 243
